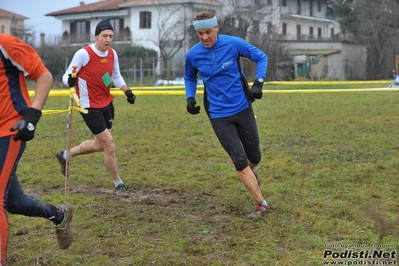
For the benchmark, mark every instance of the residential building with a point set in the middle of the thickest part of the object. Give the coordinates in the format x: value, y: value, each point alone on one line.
x: 163, y: 25
x: 308, y: 31
x: 289, y: 19
x: 14, y: 24
x: 307, y: 20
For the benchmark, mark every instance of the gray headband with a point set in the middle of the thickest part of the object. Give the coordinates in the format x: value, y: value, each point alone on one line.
x: 205, y: 23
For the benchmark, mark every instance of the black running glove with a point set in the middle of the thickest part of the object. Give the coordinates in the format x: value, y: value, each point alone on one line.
x: 27, y: 124
x: 191, y: 108
x: 130, y: 96
x: 71, y: 81
x: 256, y: 90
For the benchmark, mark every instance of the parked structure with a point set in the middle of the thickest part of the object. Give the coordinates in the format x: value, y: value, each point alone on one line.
x: 319, y: 60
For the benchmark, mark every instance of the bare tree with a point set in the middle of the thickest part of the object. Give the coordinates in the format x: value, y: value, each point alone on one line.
x: 374, y: 24
x: 172, y: 24
x: 253, y: 21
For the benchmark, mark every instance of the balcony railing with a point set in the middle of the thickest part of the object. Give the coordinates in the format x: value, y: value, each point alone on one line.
x: 74, y: 39
x: 306, y: 13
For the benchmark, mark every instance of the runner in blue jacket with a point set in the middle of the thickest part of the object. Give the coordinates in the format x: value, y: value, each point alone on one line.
x: 227, y: 97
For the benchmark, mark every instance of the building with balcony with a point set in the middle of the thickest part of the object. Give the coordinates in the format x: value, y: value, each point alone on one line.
x: 309, y: 26
x: 158, y: 25
x: 307, y: 20
x: 14, y: 24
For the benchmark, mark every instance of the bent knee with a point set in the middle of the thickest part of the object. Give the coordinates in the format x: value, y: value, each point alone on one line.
x: 109, y: 147
x: 255, y: 161
x: 240, y: 164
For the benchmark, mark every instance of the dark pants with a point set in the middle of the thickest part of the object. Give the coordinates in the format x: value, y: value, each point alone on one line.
x: 239, y: 137
x: 12, y: 197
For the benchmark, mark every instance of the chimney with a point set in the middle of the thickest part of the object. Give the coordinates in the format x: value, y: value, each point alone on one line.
x: 81, y: 3
x: 42, y: 39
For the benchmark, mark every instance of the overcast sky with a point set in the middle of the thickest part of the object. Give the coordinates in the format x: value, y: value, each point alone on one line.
x: 35, y: 10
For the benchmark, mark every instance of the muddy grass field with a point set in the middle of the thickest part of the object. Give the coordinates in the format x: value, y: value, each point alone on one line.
x: 329, y: 170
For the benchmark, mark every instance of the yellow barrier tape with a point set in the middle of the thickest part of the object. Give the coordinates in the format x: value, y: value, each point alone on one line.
x: 82, y: 110
x: 330, y: 90
x: 182, y: 92
x: 72, y: 91
x: 199, y: 86
x: 49, y: 112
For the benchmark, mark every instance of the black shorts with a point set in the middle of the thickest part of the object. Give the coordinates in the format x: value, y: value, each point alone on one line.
x: 98, y: 119
x: 239, y: 137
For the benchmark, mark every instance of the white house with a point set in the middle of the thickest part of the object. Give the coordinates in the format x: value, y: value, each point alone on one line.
x: 158, y: 25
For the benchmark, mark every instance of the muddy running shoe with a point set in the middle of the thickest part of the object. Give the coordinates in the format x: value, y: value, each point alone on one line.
x: 120, y: 191
x: 64, y: 229
x: 260, y: 209
x: 60, y: 157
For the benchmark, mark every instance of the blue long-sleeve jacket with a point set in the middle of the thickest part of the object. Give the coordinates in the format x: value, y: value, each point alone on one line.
x: 218, y: 67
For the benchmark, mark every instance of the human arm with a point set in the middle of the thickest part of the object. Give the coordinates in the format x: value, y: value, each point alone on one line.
x: 190, y: 83
x: 26, y: 59
x: 260, y: 58
x: 42, y: 89
x: 80, y: 59
x: 26, y: 126
x: 119, y: 82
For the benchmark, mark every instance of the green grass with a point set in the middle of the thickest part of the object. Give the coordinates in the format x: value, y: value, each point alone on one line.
x: 329, y: 170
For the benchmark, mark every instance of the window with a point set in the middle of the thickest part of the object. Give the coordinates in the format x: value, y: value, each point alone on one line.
x: 145, y: 20
x: 298, y: 32
x: 311, y: 32
x: 256, y: 26
x: 80, y: 28
x: 261, y: 3
x: 284, y: 3
x: 269, y: 27
x: 332, y: 33
x: 2, y: 30
x: 284, y: 28
x: 298, y: 7
x: 80, y: 31
x: 117, y: 24
x: 319, y: 6
x: 319, y: 33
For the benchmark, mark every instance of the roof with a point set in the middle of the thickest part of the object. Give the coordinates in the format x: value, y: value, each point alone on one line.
x: 82, y: 8
x: 314, y: 52
x: 7, y: 14
x: 107, y: 5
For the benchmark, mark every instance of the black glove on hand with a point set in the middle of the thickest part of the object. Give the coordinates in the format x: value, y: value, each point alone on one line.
x: 256, y: 90
x: 27, y: 124
x: 191, y: 108
x: 71, y: 81
x: 130, y: 96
